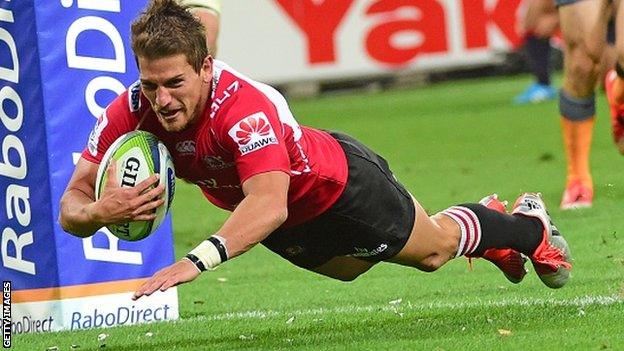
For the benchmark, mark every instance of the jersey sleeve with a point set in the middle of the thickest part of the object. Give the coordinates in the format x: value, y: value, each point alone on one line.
x: 248, y: 126
x: 117, y: 119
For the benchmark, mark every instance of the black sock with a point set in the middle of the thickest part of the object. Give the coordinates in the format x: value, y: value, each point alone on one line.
x: 538, y: 50
x: 619, y: 70
x: 498, y: 230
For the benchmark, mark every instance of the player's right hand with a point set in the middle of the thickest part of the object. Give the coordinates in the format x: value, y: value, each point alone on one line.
x: 124, y: 204
x: 180, y: 272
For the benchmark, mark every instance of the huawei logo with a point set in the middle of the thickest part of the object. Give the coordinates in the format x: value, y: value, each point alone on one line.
x: 250, y: 127
x: 253, y: 133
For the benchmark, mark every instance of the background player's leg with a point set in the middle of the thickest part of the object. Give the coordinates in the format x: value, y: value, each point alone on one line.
x: 538, y: 24
x: 614, y: 83
x: 584, y: 26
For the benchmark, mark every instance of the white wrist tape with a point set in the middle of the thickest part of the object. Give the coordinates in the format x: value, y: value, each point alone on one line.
x: 210, y: 252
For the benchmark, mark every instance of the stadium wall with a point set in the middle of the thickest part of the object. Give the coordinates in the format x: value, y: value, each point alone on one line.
x: 287, y: 41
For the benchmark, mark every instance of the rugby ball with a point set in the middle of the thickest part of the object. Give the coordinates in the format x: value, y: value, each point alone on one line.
x: 138, y: 155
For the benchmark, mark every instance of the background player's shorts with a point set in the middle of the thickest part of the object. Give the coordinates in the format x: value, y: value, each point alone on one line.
x: 565, y: 2
x: 371, y: 220
x: 214, y: 5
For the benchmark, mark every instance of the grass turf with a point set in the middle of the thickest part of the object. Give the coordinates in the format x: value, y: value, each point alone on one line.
x: 448, y: 143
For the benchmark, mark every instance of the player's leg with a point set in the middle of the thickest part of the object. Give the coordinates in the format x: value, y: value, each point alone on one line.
x: 435, y: 244
x: 614, y: 83
x: 431, y: 243
x: 509, y: 261
x: 583, y: 24
x: 538, y: 24
x: 474, y: 229
x: 344, y: 268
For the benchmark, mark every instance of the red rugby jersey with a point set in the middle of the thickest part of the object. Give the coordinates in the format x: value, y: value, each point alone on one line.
x: 247, y: 128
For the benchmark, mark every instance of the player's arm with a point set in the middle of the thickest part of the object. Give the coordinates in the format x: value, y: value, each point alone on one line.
x: 210, y: 20
x: 82, y: 216
x: 208, y: 13
x: 263, y: 210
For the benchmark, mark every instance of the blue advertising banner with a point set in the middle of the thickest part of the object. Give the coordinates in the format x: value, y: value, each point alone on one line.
x: 61, y: 63
x: 27, y: 246
x: 84, y: 46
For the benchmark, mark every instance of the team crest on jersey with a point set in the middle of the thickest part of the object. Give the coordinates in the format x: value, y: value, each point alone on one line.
x: 134, y: 96
x: 186, y: 147
x: 214, y: 163
x: 253, y: 133
x: 94, y: 137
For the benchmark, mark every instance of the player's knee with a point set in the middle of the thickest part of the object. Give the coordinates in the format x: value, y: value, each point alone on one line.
x: 431, y: 263
x: 582, y: 66
x: 576, y: 109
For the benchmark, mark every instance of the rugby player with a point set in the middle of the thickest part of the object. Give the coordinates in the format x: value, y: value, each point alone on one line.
x: 614, y: 84
x: 537, y: 25
x: 584, y: 25
x: 322, y: 200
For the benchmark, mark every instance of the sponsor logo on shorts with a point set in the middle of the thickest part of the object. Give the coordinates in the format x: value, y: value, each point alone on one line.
x: 294, y: 250
x: 94, y: 137
x: 186, y: 147
x: 253, y: 133
x: 360, y: 252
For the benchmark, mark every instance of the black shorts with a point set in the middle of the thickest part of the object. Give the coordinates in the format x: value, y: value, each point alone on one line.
x: 371, y: 220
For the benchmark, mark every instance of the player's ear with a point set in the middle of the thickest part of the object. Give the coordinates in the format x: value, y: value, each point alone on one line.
x: 207, y: 69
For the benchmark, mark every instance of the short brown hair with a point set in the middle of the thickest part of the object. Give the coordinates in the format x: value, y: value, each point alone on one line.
x: 166, y: 28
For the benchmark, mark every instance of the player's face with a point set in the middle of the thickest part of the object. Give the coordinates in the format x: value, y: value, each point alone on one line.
x: 176, y: 92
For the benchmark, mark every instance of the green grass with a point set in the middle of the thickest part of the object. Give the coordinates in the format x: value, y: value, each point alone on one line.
x: 448, y: 143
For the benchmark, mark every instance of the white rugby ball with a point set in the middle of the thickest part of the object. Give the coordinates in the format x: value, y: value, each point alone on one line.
x: 138, y: 155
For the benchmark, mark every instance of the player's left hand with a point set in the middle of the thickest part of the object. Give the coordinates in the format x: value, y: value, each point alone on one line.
x: 180, y: 272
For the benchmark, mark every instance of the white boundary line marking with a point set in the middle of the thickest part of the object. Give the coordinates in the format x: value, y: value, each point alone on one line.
x: 398, y: 307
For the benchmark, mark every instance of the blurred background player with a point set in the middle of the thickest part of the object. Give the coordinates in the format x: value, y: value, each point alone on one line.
x: 209, y: 14
x: 614, y: 84
x: 584, y: 25
x: 537, y: 24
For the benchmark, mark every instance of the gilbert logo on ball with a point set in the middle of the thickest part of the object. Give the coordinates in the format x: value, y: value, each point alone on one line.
x: 138, y: 155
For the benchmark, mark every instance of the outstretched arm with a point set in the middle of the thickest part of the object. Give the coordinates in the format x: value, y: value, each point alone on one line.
x: 266, y: 194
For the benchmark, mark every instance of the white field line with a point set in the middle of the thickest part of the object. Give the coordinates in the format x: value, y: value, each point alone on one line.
x: 399, y: 307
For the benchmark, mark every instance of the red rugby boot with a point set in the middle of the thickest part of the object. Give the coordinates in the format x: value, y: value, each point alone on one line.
x: 617, y: 112
x: 509, y: 261
x: 552, y: 259
x: 577, y: 195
